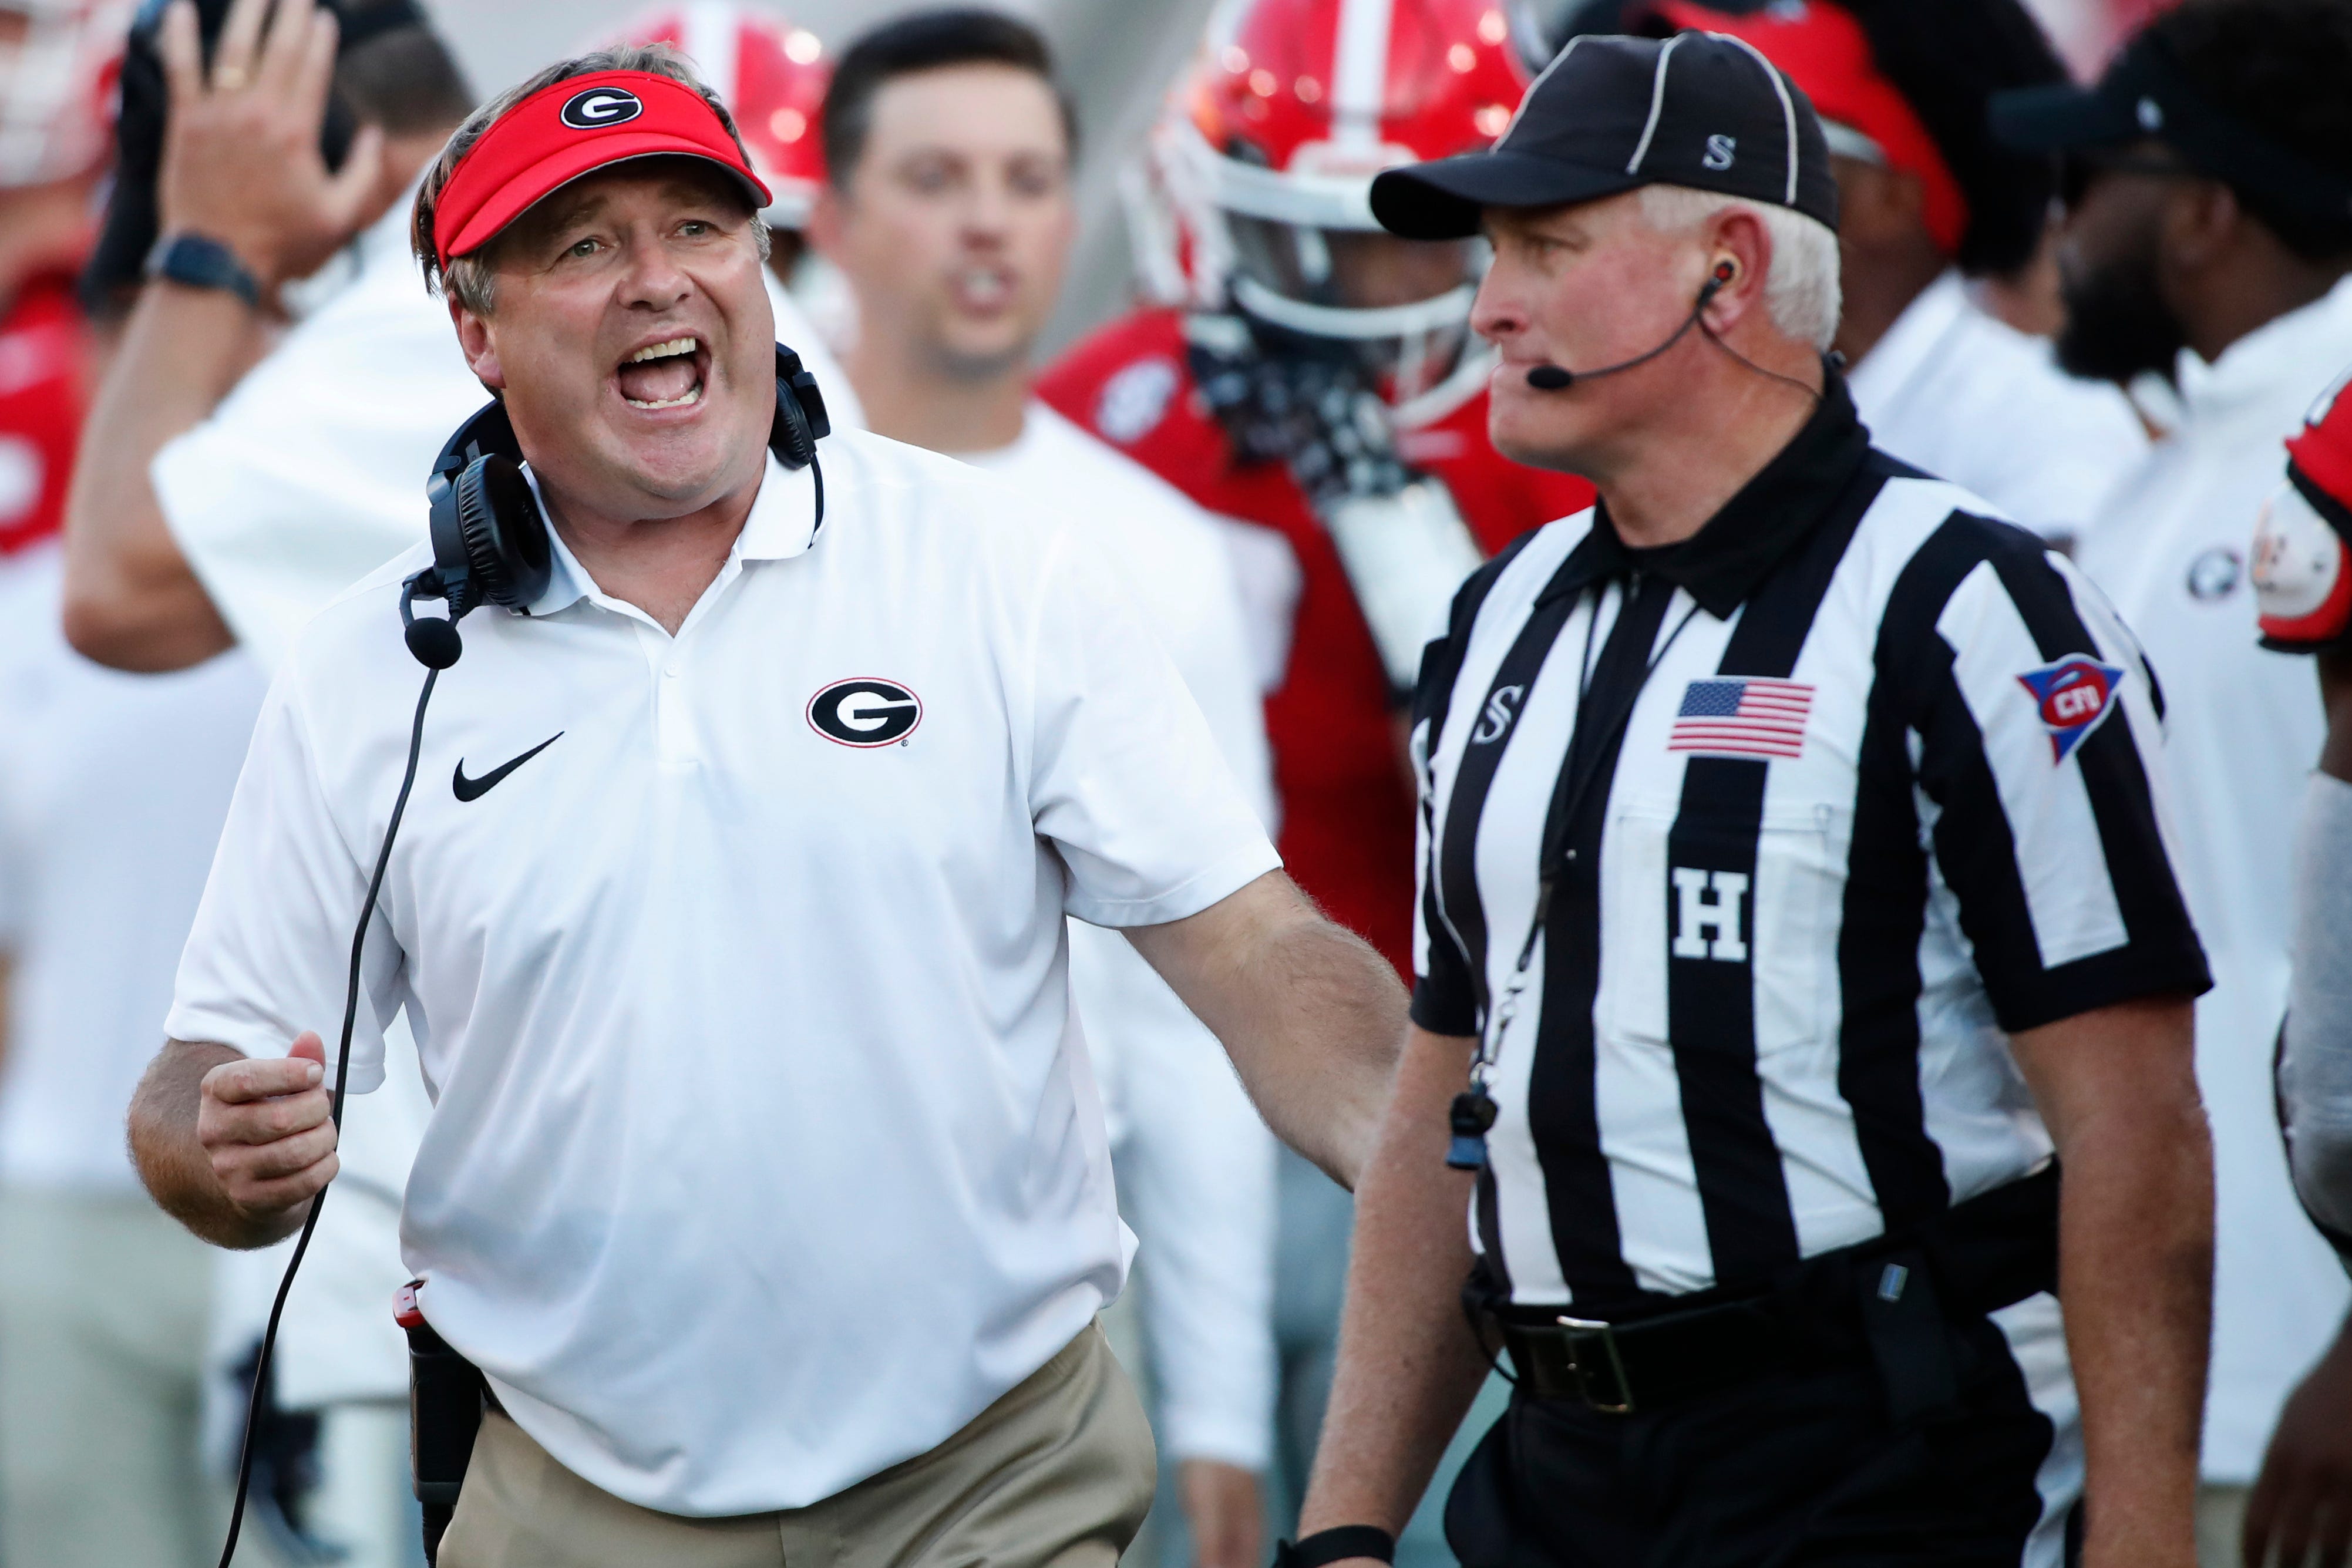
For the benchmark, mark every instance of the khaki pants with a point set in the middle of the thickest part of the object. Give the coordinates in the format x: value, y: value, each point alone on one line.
x: 103, y: 1303
x: 1056, y: 1474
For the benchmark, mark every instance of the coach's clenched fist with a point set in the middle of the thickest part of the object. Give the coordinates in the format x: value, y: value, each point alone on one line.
x: 264, y: 1133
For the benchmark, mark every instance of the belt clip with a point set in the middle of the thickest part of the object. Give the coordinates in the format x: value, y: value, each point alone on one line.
x: 1582, y: 1331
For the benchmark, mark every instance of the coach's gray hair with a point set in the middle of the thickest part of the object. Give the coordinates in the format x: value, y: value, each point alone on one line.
x: 1801, y: 291
x: 470, y: 280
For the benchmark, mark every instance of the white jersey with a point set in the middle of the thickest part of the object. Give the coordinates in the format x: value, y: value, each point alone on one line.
x: 112, y: 788
x: 1196, y: 1164
x: 1971, y: 399
x: 310, y: 474
x: 2246, y: 724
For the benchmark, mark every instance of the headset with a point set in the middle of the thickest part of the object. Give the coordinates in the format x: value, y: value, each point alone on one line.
x: 491, y: 546
x: 489, y: 541
x: 1559, y: 378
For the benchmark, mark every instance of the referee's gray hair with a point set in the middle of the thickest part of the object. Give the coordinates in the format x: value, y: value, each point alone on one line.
x: 1801, y: 290
x: 470, y: 280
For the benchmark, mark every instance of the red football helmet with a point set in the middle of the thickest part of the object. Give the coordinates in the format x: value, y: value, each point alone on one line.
x: 2303, y: 540
x: 1293, y: 107
x: 772, y: 77
x: 58, y: 62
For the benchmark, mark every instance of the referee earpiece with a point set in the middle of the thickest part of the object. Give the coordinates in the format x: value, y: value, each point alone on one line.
x: 1727, y: 272
x: 489, y: 541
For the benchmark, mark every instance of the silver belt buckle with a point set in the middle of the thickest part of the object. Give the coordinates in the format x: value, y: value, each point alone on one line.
x: 1582, y: 1331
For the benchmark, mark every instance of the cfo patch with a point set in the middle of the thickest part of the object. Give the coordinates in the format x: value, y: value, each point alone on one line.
x: 2073, y: 697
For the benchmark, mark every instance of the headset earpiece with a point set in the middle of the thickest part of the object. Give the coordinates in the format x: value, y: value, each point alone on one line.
x: 503, y: 533
x: 489, y: 541
x: 801, y: 422
x: 1726, y: 269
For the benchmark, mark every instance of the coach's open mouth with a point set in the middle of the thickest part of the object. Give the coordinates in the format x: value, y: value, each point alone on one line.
x: 667, y: 374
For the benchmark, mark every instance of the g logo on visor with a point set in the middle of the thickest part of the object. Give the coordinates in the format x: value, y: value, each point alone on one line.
x: 600, y: 107
x: 865, y: 712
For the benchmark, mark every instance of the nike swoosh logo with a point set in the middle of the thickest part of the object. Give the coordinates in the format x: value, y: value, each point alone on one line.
x: 474, y: 789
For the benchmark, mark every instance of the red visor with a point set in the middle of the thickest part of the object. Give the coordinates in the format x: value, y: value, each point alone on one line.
x: 1825, y: 52
x: 2322, y: 450
x: 573, y: 128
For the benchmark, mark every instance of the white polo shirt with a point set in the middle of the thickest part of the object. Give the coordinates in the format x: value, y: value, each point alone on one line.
x: 764, y: 1155
x: 311, y: 473
x: 1971, y: 399
x: 2246, y: 725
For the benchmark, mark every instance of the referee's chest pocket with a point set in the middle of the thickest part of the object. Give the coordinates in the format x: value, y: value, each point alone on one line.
x: 1721, y: 934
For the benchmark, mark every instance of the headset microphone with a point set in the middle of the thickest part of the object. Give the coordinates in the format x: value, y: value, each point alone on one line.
x: 1559, y: 378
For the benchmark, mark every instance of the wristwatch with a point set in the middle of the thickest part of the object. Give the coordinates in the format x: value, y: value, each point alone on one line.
x: 202, y: 262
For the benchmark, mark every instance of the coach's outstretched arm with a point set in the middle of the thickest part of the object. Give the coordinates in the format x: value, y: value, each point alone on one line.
x: 233, y: 1147
x: 2117, y: 1087
x: 1312, y: 1017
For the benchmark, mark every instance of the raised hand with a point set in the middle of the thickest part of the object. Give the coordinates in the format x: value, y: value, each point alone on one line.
x: 241, y: 160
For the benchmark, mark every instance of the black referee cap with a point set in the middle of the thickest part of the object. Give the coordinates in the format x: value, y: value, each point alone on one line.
x: 1611, y: 114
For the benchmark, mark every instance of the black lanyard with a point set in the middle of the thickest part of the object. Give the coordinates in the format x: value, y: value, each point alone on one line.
x: 1474, y: 1110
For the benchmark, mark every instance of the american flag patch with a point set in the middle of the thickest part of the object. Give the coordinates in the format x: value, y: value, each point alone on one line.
x: 1721, y: 717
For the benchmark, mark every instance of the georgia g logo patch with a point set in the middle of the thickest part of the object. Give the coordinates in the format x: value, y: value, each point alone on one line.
x: 865, y: 712
x: 2073, y: 697
x: 601, y: 106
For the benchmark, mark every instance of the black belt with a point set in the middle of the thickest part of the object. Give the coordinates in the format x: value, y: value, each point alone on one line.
x: 1883, y: 1302
x: 1618, y: 1369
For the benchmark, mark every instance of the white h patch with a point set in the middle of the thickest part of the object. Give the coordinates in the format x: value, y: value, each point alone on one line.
x: 1696, y: 914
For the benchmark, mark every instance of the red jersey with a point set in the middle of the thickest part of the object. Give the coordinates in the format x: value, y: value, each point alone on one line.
x: 1346, y: 832
x: 41, y: 361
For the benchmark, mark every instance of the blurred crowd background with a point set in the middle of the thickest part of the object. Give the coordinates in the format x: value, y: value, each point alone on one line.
x: 1117, y: 60
x: 126, y: 1349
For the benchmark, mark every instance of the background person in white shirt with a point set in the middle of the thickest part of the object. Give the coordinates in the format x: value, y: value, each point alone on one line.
x: 949, y: 215
x: 2214, y: 253
x: 1928, y: 205
x: 234, y: 480
x: 763, y: 1159
x: 103, y: 1302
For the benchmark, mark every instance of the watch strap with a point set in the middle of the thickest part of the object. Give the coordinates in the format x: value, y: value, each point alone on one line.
x: 1334, y: 1545
x: 200, y: 261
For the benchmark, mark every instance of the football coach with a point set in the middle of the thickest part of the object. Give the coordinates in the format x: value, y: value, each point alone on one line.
x: 765, y: 1182
x: 1796, y: 902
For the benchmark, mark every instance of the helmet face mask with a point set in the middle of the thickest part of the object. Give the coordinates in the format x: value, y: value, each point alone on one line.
x: 1401, y: 307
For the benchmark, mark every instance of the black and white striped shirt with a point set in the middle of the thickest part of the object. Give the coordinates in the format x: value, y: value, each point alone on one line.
x: 1872, y: 779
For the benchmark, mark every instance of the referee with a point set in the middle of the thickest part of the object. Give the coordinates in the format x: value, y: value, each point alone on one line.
x: 1795, y: 896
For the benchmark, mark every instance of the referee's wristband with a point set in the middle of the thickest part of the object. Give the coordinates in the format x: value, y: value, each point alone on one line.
x: 1336, y: 1545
